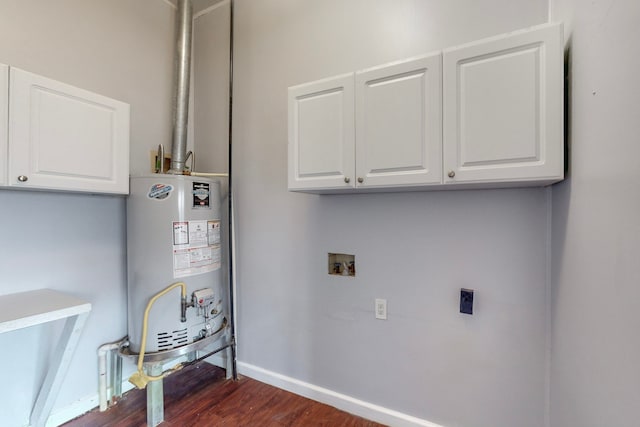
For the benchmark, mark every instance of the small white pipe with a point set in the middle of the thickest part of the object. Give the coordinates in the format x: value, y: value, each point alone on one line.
x: 102, y: 371
x: 212, y: 174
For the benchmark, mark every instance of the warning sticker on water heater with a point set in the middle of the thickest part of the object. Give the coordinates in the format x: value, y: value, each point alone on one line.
x: 196, y: 247
x: 201, y: 195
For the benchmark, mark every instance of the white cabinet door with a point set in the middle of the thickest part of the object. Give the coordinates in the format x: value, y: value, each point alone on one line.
x: 65, y: 138
x: 503, y: 108
x: 321, y: 134
x: 398, y: 123
x: 4, y: 121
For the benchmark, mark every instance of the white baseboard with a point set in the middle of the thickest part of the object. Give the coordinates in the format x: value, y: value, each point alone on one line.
x: 79, y: 407
x: 346, y: 403
x: 72, y: 411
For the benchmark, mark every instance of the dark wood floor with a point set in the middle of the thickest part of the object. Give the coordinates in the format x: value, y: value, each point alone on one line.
x: 200, y: 396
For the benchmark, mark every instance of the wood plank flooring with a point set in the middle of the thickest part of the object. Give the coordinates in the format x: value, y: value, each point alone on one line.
x: 200, y: 396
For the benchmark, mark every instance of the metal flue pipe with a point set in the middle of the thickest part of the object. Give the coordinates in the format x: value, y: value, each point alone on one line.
x: 184, y: 23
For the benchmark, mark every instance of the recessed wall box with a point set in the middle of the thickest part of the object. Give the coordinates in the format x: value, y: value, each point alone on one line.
x: 341, y: 264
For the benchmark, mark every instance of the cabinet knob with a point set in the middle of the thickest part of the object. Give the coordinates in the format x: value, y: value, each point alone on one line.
x: 23, y: 178
x: 360, y: 179
x: 347, y: 179
x: 451, y: 174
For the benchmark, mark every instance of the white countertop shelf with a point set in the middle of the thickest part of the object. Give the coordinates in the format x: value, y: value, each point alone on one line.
x: 31, y: 308
x: 24, y: 309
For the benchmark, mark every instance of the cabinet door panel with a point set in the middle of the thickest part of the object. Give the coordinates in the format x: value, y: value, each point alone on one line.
x: 503, y: 108
x: 398, y: 123
x: 321, y: 134
x: 65, y: 138
x: 4, y: 121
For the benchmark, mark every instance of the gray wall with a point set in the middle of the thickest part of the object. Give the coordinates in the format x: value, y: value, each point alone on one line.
x: 76, y: 243
x: 211, y: 88
x: 596, y: 222
x: 414, y: 249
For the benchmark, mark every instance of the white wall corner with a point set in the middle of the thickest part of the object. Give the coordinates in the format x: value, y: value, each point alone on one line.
x: 547, y: 303
x: 170, y: 4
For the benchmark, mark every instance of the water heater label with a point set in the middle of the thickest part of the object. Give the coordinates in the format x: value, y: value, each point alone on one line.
x: 180, y: 233
x: 213, y: 232
x: 198, y: 233
x: 201, y: 195
x: 159, y: 191
x: 196, y: 247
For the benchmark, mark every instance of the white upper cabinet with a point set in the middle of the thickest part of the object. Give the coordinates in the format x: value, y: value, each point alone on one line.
x: 4, y: 121
x: 387, y: 132
x: 485, y: 114
x: 398, y: 124
x: 65, y: 138
x: 321, y: 134
x: 503, y: 108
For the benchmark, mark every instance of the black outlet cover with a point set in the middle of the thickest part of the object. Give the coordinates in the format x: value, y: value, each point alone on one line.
x: 466, y: 301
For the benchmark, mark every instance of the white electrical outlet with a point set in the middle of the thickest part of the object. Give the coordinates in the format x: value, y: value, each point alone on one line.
x: 381, y: 308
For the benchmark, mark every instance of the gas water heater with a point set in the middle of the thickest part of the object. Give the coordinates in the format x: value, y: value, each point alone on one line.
x: 174, y: 235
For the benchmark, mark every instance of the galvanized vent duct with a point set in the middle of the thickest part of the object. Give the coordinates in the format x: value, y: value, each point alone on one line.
x: 184, y: 23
